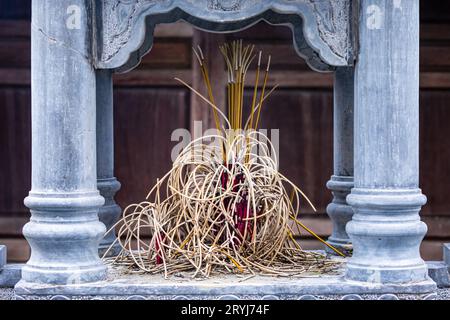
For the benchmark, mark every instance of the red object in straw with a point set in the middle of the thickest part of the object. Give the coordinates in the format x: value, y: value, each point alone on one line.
x: 158, y: 247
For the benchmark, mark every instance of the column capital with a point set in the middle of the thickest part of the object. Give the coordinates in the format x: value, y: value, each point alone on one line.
x: 108, y: 187
x: 340, y: 183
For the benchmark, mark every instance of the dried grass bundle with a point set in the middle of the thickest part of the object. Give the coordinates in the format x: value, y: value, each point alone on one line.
x: 223, y: 206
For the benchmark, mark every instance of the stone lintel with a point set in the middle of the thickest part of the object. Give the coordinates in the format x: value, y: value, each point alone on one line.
x: 322, y: 30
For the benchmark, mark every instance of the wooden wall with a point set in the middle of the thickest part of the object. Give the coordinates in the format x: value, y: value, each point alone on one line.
x: 149, y: 105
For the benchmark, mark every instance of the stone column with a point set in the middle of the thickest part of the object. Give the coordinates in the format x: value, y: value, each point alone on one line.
x: 342, y: 180
x: 64, y: 231
x: 2, y: 257
x: 446, y: 254
x: 107, y: 184
x: 386, y: 230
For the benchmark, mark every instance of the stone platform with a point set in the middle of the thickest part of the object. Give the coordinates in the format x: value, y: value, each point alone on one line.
x: 225, y: 287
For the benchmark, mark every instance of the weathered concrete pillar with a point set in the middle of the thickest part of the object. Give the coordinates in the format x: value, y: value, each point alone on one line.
x: 342, y: 180
x: 386, y: 230
x: 64, y: 231
x: 107, y: 184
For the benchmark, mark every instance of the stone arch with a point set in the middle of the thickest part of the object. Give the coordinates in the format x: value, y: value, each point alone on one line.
x: 321, y: 29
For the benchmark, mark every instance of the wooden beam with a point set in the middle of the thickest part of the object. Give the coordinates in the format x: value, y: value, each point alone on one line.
x: 15, y: 28
x: 435, y: 80
x: 152, y: 78
x: 165, y: 78
x: 434, y: 31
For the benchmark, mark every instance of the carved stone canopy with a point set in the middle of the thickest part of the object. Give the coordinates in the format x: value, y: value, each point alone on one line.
x: 321, y: 28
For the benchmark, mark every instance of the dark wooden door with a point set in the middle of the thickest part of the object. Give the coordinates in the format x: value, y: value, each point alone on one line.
x: 149, y: 105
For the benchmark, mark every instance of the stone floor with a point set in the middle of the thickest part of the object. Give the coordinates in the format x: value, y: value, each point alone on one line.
x: 124, y: 286
x: 8, y: 294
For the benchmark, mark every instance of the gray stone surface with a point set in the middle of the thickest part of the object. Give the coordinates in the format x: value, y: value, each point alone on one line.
x: 386, y: 230
x: 341, y: 182
x: 446, y: 253
x: 220, y: 286
x: 443, y: 294
x: 6, y: 294
x: 64, y: 231
x: 439, y: 272
x: 10, y: 275
x: 2, y: 256
x: 122, y: 286
x: 107, y: 184
x: 432, y: 296
x: 440, y: 294
x: 321, y: 29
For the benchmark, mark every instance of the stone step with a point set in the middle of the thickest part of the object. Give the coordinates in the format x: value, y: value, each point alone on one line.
x: 226, y: 287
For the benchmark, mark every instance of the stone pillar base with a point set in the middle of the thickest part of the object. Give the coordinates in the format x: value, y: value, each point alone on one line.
x: 386, y: 232
x: 340, y: 214
x: 64, y: 233
x: 109, y: 214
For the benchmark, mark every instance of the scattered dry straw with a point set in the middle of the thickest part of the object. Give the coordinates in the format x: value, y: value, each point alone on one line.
x: 224, y: 206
